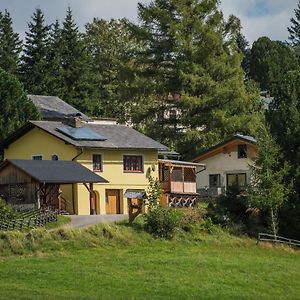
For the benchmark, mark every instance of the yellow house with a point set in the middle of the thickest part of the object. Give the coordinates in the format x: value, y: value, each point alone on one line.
x: 226, y: 164
x: 118, y: 153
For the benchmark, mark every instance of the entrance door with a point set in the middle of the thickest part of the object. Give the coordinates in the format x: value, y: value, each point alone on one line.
x: 112, y: 201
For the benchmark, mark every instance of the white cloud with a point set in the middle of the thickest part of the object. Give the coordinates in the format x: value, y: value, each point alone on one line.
x: 271, y: 19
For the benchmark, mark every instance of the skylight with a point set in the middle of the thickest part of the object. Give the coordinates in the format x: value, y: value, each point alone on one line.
x: 81, y: 134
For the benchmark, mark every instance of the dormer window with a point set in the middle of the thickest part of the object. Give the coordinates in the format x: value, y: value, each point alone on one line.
x: 242, y: 151
x: 54, y: 157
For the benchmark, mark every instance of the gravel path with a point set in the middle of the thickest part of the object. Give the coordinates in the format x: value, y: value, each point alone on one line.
x: 85, y: 221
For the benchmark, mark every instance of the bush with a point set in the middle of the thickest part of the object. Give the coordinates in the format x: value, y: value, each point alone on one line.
x: 162, y: 222
x: 191, y: 218
x: 6, y: 211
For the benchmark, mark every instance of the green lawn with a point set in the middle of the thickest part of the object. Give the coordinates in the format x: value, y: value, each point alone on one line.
x: 144, y: 268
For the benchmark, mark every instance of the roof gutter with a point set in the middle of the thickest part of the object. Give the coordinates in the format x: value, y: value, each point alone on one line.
x: 81, y: 151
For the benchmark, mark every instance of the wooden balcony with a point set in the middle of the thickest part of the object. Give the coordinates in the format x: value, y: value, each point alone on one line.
x: 177, y: 177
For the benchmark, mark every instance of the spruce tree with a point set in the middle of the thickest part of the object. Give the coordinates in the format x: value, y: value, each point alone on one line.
x: 10, y: 45
x: 192, y: 59
x: 34, y: 59
x: 75, y: 65
x: 16, y: 107
x: 284, y: 119
x: 54, y: 84
x: 294, y: 31
x: 270, y: 61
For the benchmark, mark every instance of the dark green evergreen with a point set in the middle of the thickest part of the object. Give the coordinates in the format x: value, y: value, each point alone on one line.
x: 243, y: 46
x: 284, y: 119
x: 192, y: 61
x: 10, y: 45
x: 75, y: 66
x: 34, y: 59
x: 270, y: 61
x: 54, y: 57
x: 294, y: 31
x: 16, y: 108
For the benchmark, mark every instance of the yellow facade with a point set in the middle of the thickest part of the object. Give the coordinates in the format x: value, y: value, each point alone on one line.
x: 39, y: 142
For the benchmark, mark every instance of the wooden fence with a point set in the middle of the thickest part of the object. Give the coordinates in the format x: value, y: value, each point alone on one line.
x: 264, y: 237
x: 29, y: 219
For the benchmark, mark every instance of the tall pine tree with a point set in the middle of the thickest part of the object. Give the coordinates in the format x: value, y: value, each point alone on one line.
x: 75, y: 66
x: 294, y: 31
x: 10, y: 45
x: 192, y: 59
x: 54, y: 59
x: 34, y: 59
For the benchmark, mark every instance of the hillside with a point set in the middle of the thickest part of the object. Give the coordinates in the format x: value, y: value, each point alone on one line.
x: 117, y: 262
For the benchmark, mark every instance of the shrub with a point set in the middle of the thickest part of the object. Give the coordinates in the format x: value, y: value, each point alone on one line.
x: 191, y: 218
x: 162, y: 222
x: 6, y: 211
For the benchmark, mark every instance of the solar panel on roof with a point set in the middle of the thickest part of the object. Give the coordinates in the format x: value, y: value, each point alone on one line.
x: 83, y: 134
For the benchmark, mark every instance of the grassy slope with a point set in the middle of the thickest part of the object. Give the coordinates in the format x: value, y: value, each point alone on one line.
x: 129, y: 265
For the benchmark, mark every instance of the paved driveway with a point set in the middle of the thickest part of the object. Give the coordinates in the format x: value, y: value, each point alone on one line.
x: 85, y: 221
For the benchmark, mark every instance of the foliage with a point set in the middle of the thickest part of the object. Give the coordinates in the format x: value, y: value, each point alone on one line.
x: 153, y: 192
x: 294, y: 31
x: 192, y: 66
x: 269, y: 190
x: 34, y: 59
x: 74, y: 65
x: 113, y: 48
x: 162, y: 222
x: 10, y: 45
x: 16, y: 108
x: 284, y: 119
x: 6, y: 211
x: 270, y: 61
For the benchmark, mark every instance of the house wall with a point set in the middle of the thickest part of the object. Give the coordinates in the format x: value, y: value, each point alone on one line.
x: 113, y: 172
x: 39, y: 142
x: 225, y: 162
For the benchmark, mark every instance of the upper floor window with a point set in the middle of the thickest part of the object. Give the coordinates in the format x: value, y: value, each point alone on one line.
x: 54, y: 157
x: 133, y: 163
x: 37, y: 157
x: 97, y: 162
x: 242, y: 151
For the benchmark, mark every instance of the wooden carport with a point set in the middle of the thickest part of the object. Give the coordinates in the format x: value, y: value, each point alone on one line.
x: 37, y: 182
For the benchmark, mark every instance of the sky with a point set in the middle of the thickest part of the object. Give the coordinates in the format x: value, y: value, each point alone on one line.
x: 258, y: 17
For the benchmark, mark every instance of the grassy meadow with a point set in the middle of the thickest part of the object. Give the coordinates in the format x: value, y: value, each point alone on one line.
x: 118, y: 262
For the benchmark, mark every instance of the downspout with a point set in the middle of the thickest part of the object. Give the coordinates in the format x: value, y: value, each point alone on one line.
x: 73, y: 198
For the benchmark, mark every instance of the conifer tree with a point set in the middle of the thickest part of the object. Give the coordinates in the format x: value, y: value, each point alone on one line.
x: 10, y: 45
x: 294, y: 31
x: 34, y: 59
x: 192, y: 59
x: 75, y: 65
x: 16, y: 108
x: 54, y: 84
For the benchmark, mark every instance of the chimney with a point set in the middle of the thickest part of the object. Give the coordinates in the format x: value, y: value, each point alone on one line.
x: 75, y: 121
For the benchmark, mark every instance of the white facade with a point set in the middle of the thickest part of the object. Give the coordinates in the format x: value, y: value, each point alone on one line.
x: 223, y: 166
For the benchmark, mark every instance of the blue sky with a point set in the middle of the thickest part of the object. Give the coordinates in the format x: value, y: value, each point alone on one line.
x: 258, y: 17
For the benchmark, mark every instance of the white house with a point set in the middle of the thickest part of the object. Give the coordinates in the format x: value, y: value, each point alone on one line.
x: 227, y: 164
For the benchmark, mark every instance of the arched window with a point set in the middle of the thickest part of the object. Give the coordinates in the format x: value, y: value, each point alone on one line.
x: 54, y: 157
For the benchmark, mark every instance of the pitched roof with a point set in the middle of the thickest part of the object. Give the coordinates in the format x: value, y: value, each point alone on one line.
x: 238, y: 136
x: 54, y: 108
x: 117, y: 136
x: 49, y: 171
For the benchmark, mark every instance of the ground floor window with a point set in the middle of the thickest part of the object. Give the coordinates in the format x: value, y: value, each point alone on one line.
x: 238, y: 179
x: 214, y: 180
